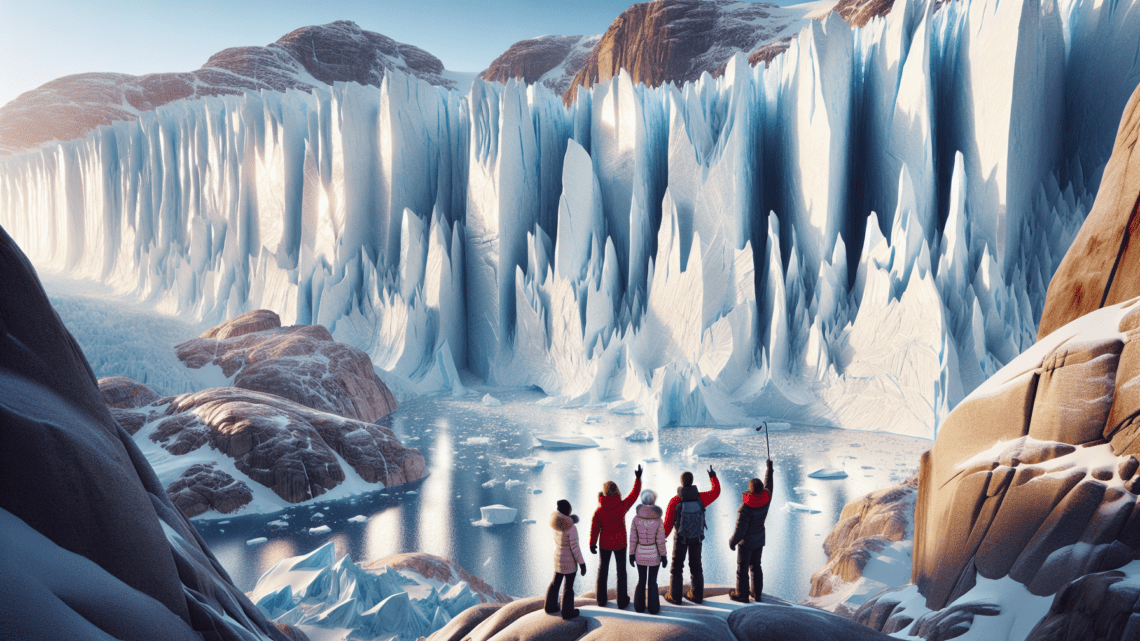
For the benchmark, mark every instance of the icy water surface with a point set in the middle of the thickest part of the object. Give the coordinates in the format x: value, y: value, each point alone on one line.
x: 468, y: 444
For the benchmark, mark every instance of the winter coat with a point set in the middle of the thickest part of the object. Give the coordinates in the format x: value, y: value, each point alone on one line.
x: 749, y: 531
x: 609, y: 519
x: 647, y: 535
x: 675, y: 504
x: 567, y: 556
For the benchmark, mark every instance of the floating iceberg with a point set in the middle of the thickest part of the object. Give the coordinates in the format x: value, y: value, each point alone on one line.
x: 554, y: 442
x: 800, y: 507
x: 323, y: 529
x: 258, y: 541
x: 359, y: 518
x: 711, y: 446
x: 512, y: 483
x: 828, y: 473
x: 491, y: 401
x: 496, y: 515
x: 638, y: 435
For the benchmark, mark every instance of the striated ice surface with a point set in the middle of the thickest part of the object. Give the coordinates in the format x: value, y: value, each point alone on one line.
x: 856, y: 235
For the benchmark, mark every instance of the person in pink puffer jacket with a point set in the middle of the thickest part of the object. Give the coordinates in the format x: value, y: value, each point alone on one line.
x: 567, y: 559
x: 647, y: 552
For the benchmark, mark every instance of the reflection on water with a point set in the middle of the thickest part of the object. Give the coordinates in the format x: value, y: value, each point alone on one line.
x: 467, y: 445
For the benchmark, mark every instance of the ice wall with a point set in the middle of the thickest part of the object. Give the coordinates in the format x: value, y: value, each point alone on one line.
x: 856, y: 235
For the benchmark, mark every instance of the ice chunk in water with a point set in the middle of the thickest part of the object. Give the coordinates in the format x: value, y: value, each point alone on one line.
x: 491, y: 401
x: 359, y: 518
x: 828, y: 473
x: 258, y: 541
x: 800, y: 507
x: 711, y: 446
x: 555, y: 442
x: 512, y: 483
x: 324, y: 529
x: 496, y: 515
x: 638, y: 435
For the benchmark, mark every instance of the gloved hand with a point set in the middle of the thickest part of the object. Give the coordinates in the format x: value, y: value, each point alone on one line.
x: 593, y: 550
x: 769, y: 463
x: 665, y: 562
x: 732, y: 545
x: 712, y: 473
x: 583, y: 566
x: 633, y: 560
x: 637, y: 472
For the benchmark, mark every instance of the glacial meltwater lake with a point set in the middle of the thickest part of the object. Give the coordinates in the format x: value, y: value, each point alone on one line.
x: 468, y: 444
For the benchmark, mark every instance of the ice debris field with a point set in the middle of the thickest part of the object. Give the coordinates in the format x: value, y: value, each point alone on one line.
x: 856, y: 235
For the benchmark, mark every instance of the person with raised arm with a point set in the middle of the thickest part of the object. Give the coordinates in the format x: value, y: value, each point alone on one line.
x: 748, y: 537
x: 686, y: 515
x: 608, y: 528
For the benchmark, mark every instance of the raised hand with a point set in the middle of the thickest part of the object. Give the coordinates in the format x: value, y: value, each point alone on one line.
x: 637, y: 472
x: 712, y: 473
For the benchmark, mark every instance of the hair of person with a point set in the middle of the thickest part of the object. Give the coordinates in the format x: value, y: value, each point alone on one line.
x: 755, y: 486
x: 609, y: 488
x: 686, y: 479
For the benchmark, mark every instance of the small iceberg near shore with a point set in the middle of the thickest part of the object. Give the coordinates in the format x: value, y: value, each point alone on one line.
x: 555, y: 442
x: 828, y: 473
x: 496, y: 515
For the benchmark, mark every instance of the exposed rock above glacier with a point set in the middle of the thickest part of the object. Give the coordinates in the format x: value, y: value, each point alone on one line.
x: 550, y: 60
x: 301, y: 363
x: 1102, y: 267
x: 71, y: 106
x: 92, y: 545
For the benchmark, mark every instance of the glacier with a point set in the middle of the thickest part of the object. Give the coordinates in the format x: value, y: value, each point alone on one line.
x: 856, y: 235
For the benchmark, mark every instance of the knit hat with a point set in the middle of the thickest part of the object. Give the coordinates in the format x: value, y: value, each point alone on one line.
x: 564, y: 507
x: 649, y: 497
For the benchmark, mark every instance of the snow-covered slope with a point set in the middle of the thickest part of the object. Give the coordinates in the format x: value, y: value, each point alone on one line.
x: 316, y: 56
x: 857, y: 235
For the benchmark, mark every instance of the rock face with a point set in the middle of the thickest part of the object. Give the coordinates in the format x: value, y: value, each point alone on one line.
x: 865, y: 527
x: 1097, y: 607
x: 301, y: 363
x: 284, y: 445
x: 69, y: 107
x: 121, y: 392
x: 551, y: 60
x: 1102, y: 266
x: 204, y: 487
x: 92, y: 547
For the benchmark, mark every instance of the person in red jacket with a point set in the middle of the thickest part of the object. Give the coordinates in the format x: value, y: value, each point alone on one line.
x: 748, y: 537
x: 608, y: 524
x: 686, y: 513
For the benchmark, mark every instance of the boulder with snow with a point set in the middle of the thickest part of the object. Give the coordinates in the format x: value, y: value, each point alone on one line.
x: 301, y: 363
x: 204, y: 487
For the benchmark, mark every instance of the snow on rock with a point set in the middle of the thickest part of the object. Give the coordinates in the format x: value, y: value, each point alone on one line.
x: 92, y: 546
x: 405, y: 596
x: 204, y: 487
x: 711, y: 445
x: 660, y: 249
x: 301, y: 363
x: 496, y: 515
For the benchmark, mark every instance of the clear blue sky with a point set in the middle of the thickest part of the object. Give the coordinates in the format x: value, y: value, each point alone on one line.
x: 44, y: 39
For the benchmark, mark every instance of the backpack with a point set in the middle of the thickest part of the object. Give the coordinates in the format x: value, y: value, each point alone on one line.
x: 690, y: 522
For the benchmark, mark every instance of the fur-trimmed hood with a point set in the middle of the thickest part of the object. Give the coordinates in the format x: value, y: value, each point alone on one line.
x: 561, y: 522
x: 649, y: 511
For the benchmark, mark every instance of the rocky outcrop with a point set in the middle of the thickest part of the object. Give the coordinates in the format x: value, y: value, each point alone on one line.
x: 1097, y: 607
x: 1102, y: 266
x: 438, y: 569
x: 92, y: 547
x: 301, y: 363
x: 551, y: 60
x: 204, y: 487
x: 283, y: 445
x: 69, y: 107
x: 866, y: 526
x: 121, y: 392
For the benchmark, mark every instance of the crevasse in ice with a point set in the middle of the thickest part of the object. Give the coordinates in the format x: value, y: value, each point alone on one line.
x: 856, y: 235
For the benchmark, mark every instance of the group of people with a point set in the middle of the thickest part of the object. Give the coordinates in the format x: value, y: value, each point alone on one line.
x: 645, y: 543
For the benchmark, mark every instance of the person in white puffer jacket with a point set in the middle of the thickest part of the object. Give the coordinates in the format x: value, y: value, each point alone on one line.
x: 647, y: 552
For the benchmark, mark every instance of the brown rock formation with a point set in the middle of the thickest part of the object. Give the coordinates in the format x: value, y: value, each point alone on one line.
x: 866, y: 526
x: 1102, y: 266
x: 530, y: 60
x: 123, y: 393
x: 204, y: 487
x: 283, y: 445
x: 301, y: 363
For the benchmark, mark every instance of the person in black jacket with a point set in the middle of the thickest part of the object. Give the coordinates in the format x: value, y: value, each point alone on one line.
x: 748, y: 537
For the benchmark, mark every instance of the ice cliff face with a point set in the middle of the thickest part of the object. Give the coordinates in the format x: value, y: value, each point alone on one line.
x: 857, y: 234
x: 310, y: 57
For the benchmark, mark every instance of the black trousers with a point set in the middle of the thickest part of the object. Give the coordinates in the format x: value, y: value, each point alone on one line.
x: 647, y: 588
x: 604, y: 574
x: 567, y: 595
x: 681, y: 549
x: 749, y: 560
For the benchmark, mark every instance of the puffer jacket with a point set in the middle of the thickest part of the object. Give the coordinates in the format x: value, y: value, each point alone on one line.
x: 608, y: 523
x: 647, y: 535
x: 749, y: 531
x: 567, y: 556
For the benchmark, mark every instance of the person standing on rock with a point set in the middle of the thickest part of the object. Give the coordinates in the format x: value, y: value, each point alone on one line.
x: 647, y: 552
x: 748, y: 537
x: 567, y: 560
x: 686, y: 514
x: 608, y: 525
